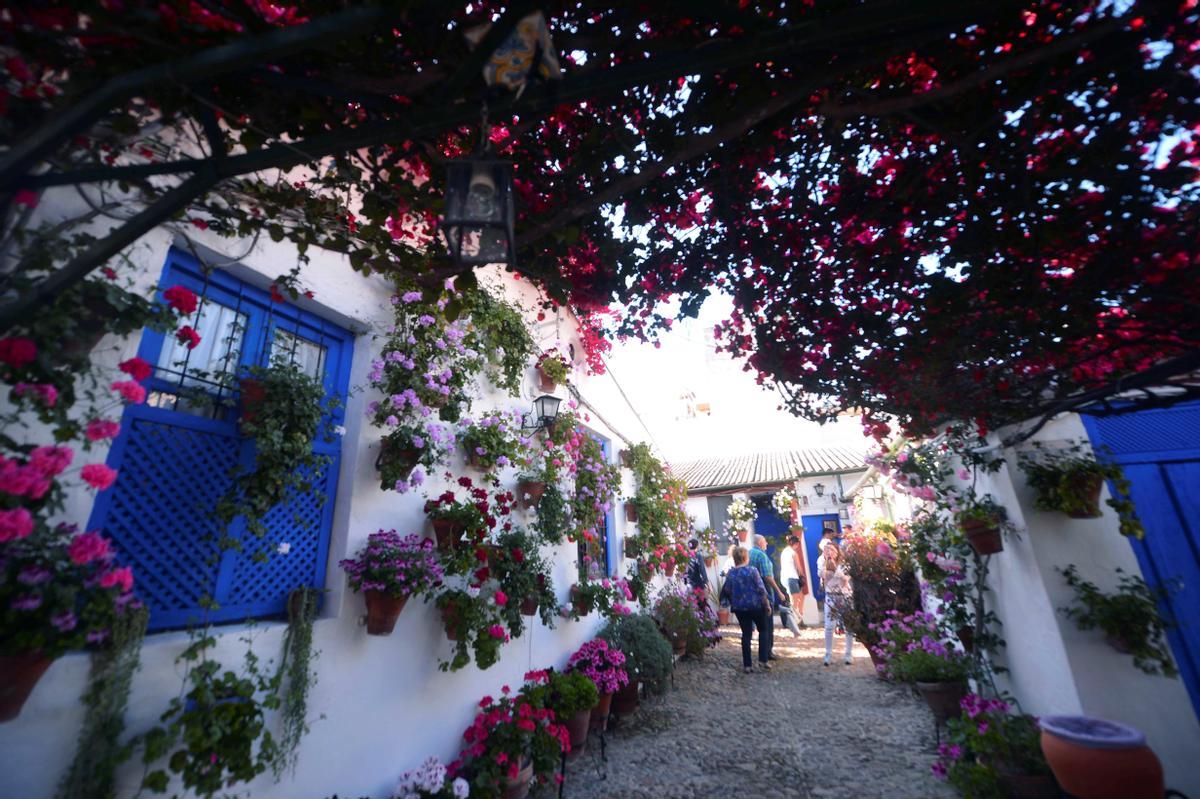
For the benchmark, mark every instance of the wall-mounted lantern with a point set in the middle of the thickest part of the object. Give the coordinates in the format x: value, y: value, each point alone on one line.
x: 819, y: 489
x: 545, y: 411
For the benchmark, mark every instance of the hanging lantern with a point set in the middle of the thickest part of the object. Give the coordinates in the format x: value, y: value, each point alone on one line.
x: 477, y: 226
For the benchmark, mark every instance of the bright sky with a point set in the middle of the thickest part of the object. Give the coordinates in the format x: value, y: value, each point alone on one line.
x: 745, y: 417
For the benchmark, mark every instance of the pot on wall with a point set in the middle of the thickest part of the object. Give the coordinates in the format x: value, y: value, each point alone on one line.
x: 967, y: 636
x: 943, y: 698
x: 449, y: 621
x: 669, y: 568
x: 584, y: 606
x: 518, y: 787
x: 382, y: 611
x: 448, y: 534
x: 983, y: 536
x: 630, y: 512
x: 625, y: 701
x: 19, y: 674
x: 546, y: 383
x: 1100, y: 759
x: 709, y: 561
x: 530, y: 492
x: 529, y: 606
x: 1085, y: 488
x: 599, y: 719
x: 633, y: 548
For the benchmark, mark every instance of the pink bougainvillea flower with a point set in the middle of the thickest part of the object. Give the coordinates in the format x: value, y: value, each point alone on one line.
x: 42, y: 392
x: 188, y: 336
x: 86, y: 547
x: 181, y: 299
x: 136, y: 368
x: 122, y: 577
x: 14, y: 524
x: 98, y: 475
x: 17, y: 352
x: 130, y: 391
x: 101, y: 429
x: 26, y: 197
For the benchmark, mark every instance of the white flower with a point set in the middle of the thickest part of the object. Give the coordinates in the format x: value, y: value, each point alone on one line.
x: 473, y: 591
x: 340, y: 430
x: 283, y: 548
x: 461, y: 788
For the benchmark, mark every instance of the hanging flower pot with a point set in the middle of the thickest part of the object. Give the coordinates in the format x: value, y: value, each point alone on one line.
x: 626, y: 459
x: 983, y: 536
x: 382, y: 611
x: 633, y: 548
x: 625, y: 701
x: 547, y: 383
x: 450, y: 621
x: 1084, y: 489
x: 518, y: 787
x: 709, y: 561
x: 530, y: 492
x: 577, y: 728
x: 600, y: 712
x: 253, y: 394
x: 1099, y: 758
x: 630, y: 512
x: 967, y: 636
x: 943, y: 698
x: 529, y: 606
x: 19, y: 674
x: 723, y: 616
x: 477, y: 461
x: 669, y: 568
x: 404, y: 459
x: 448, y: 534
x: 584, y: 605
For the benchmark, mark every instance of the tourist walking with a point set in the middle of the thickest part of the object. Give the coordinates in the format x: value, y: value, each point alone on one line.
x: 697, y: 572
x: 838, y: 594
x: 791, y: 577
x: 786, y: 617
x: 746, y: 595
x: 761, y: 561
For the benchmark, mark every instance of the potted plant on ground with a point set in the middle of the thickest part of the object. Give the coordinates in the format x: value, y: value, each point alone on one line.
x: 431, y: 781
x: 389, y: 570
x: 647, y: 652
x: 605, y: 667
x: 552, y: 368
x: 60, y: 591
x: 492, y: 441
x: 1128, y: 618
x: 982, y: 521
x: 1069, y: 481
x: 992, y: 754
x: 474, y: 621
x: 939, y: 673
x: 509, y: 744
x: 570, y: 695
x: 881, y: 571
x: 524, y: 578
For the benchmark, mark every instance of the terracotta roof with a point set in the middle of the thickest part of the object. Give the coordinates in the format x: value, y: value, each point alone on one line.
x: 766, y: 469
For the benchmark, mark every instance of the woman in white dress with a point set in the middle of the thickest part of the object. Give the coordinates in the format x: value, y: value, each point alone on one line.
x: 838, y: 593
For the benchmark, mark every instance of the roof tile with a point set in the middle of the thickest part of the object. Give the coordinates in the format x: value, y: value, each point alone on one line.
x: 766, y: 468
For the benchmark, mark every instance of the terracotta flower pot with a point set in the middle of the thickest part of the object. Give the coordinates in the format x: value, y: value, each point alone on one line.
x: 577, y: 728
x: 967, y: 636
x: 18, y: 676
x: 518, y: 788
x: 679, y: 646
x: 406, y: 457
x: 477, y: 461
x: 1100, y: 759
x: 626, y: 461
x: 709, y: 561
x: 529, y: 606
x: 633, y: 548
x: 1119, y: 643
x: 545, y: 382
x: 630, y: 512
x: 1086, y: 490
x: 984, y: 537
x: 943, y: 698
x: 253, y: 394
x: 584, y: 606
x: 723, y: 616
x: 448, y: 534
x: 449, y: 619
x: 534, y: 489
x: 625, y: 701
x: 879, y: 662
x: 382, y: 611
x: 600, y: 712
x: 669, y: 568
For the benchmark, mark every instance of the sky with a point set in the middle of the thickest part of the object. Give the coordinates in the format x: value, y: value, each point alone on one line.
x: 744, y: 418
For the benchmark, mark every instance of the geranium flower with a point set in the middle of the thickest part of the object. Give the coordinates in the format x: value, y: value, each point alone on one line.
x: 87, y: 547
x: 14, y: 524
x: 101, y: 429
x: 98, y: 475
x: 181, y: 299
x: 136, y: 368
x: 17, y: 352
x: 130, y: 391
x: 122, y: 577
x: 188, y: 337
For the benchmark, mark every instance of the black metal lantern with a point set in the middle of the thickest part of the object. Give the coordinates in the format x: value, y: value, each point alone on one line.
x: 545, y: 411
x: 819, y: 489
x: 477, y: 226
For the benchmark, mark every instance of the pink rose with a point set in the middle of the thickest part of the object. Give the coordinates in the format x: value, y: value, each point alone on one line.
x: 129, y: 391
x: 86, y: 547
x: 98, y: 476
x: 14, y: 524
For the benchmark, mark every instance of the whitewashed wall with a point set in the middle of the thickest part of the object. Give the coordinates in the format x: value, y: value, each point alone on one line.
x: 1055, y: 668
x: 380, y: 705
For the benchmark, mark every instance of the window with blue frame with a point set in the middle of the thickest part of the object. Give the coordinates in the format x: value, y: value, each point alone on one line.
x: 601, y: 549
x: 177, y: 453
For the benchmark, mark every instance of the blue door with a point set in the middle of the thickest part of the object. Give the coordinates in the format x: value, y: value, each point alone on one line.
x: 1159, y: 451
x: 770, y: 524
x: 814, y: 528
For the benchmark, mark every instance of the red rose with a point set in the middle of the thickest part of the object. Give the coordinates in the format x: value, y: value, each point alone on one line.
x: 181, y: 299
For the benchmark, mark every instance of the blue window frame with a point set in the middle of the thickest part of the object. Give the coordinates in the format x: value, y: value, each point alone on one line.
x: 606, y: 545
x: 176, y: 459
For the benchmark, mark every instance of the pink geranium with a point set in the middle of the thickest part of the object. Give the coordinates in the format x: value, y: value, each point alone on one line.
x: 42, y: 392
x: 14, y: 524
x: 122, y: 577
x: 98, y: 476
x: 86, y: 547
x: 130, y: 391
x: 101, y: 429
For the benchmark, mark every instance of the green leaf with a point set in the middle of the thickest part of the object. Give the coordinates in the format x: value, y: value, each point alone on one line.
x: 156, y: 781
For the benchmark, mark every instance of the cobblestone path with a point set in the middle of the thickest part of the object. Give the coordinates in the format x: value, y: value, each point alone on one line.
x: 798, y: 731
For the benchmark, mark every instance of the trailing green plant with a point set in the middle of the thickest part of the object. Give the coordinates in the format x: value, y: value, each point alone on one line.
x: 983, y: 509
x: 499, y: 334
x: 647, y: 652
x: 92, y: 773
x: 554, y: 365
x: 1130, y: 618
x: 517, y: 563
x: 553, y: 514
x: 493, y: 440
x: 476, y: 619
x: 985, y: 745
x: 659, y: 498
x: 606, y: 596
x: 1062, y: 480
x: 283, y: 411
x: 296, y: 677
x: 214, y: 735
x: 709, y: 541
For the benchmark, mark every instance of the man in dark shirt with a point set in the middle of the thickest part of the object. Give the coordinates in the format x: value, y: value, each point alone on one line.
x: 697, y: 572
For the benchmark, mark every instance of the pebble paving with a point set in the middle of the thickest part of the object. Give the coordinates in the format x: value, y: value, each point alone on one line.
x: 800, y: 730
